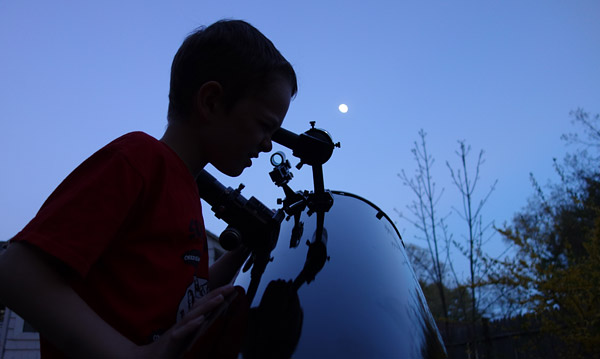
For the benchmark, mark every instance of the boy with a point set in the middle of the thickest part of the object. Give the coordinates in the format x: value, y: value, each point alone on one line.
x: 115, y: 262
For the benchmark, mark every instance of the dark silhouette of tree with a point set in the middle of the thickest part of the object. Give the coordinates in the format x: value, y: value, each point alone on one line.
x: 556, y: 270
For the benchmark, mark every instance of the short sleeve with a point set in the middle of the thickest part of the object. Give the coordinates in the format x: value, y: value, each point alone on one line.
x: 87, y: 210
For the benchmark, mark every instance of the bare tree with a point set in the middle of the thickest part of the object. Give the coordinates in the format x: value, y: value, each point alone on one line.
x: 425, y: 217
x: 476, y: 229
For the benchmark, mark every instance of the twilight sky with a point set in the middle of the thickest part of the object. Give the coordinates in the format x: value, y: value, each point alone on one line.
x: 501, y: 75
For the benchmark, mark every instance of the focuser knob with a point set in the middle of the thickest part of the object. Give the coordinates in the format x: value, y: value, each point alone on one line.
x: 230, y: 238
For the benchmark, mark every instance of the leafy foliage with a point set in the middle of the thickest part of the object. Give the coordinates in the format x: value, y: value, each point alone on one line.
x: 556, y: 270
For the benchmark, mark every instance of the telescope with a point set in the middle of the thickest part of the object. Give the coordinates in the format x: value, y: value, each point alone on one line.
x: 329, y: 276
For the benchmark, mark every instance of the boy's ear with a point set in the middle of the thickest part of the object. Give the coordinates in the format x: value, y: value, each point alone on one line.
x: 209, y: 98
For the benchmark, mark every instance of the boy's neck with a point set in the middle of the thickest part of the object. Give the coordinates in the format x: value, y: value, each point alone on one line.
x: 177, y: 137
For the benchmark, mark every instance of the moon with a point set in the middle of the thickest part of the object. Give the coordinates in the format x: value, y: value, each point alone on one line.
x: 343, y: 108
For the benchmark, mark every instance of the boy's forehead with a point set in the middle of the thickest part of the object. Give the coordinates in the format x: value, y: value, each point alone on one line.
x: 275, y: 99
x: 276, y: 87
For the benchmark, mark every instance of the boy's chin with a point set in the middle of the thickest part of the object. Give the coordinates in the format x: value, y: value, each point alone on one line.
x: 232, y: 171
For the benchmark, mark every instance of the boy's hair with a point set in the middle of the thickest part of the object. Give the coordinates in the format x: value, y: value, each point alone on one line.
x: 231, y: 52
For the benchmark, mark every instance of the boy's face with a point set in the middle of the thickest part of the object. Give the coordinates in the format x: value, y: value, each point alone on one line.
x: 246, y: 129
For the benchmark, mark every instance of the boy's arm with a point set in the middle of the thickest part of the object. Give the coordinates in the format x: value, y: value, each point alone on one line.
x: 32, y: 285
x: 223, y: 271
x: 35, y: 287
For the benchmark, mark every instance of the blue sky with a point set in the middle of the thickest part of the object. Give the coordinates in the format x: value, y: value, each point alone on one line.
x: 501, y: 75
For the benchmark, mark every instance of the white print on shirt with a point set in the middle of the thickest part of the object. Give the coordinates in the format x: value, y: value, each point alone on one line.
x: 196, y: 290
x: 199, y: 286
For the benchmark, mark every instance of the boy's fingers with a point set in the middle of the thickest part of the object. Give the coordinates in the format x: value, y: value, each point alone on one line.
x: 185, y: 330
x: 204, y: 306
x: 196, y: 322
x: 178, y: 339
x: 224, y: 290
x: 209, y: 302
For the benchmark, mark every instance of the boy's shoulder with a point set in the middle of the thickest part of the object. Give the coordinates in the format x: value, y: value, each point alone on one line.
x: 145, y: 153
x: 133, y: 140
x: 134, y: 145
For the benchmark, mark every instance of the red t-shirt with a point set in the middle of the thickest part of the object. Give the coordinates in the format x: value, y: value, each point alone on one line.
x: 128, y: 220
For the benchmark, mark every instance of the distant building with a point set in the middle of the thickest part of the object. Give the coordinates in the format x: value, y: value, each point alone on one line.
x: 19, y: 340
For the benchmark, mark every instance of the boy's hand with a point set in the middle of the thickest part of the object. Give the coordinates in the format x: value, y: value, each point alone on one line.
x: 177, y: 341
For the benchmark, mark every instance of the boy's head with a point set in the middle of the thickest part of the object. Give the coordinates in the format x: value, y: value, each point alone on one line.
x: 234, y: 54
